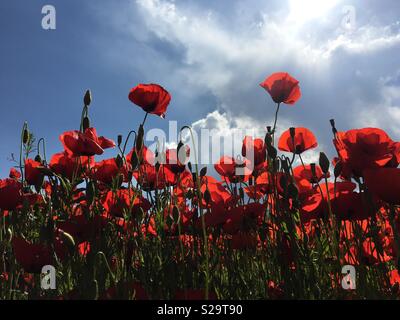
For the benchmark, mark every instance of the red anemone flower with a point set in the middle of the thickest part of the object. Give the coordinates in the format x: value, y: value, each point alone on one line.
x: 304, y: 140
x: 152, y: 98
x: 384, y: 183
x: 282, y: 87
x: 88, y: 143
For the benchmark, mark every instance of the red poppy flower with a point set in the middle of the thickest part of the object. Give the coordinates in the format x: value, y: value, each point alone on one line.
x: 244, y: 240
x: 254, y: 150
x: 233, y: 170
x: 260, y: 188
x: 304, y: 140
x: 145, y: 156
x: 152, y: 98
x: 176, y: 162
x: 366, y: 148
x: 219, y: 195
x: 67, y: 166
x: 14, y: 174
x: 117, y: 202
x: 33, y: 175
x: 304, y: 177
x: 105, y: 171
x: 282, y: 87
x: 88, y: 143
x: 244, y: 218
x: 32, y: 257
x: 384, y: 183
x: 151, y: 179
x: 10, y: 194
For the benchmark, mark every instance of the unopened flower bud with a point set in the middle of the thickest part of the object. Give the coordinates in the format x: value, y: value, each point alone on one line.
x: 86, y: 123
x: 26, y: 136
x: 207, y: 196
x: 203, y: 171
x: 139, y: 138
x: 38, y: 158
x: 324, y: 162
x: 337, y: 171
x: 119, y: 140
x: 119, y: 161
x: 87, y: 99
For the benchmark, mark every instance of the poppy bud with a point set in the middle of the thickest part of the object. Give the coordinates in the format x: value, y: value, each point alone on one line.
x: 207, y: 196
x: 87, y: 99
x: 324, y: 162
x: 119, y: 161
x: 269, y: 129
x: 272, y: 152
x: 338, y: 169
x: 313, y: 173
x: 129, y: 177
x: 134, y: 160
x: 86, y: 123
x: 26, y: 136
x: 38, y: 158
x: 332, y: 121
x: 139, y: 138
x: 203, y: 171
x: 119, y: 140
x: 175, y: 214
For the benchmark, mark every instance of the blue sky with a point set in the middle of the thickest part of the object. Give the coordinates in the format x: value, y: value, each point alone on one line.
x: 211, y: 56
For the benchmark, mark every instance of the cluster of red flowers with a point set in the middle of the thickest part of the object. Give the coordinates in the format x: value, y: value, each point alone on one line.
x: 75, y: 208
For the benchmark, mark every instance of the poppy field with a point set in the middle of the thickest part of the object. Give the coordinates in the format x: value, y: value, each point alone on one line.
x: 150, y: 224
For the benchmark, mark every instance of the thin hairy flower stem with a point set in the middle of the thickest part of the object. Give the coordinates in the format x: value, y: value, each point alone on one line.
x: 21, y: 160
x: 203, y: 225
x: 276, y: 119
